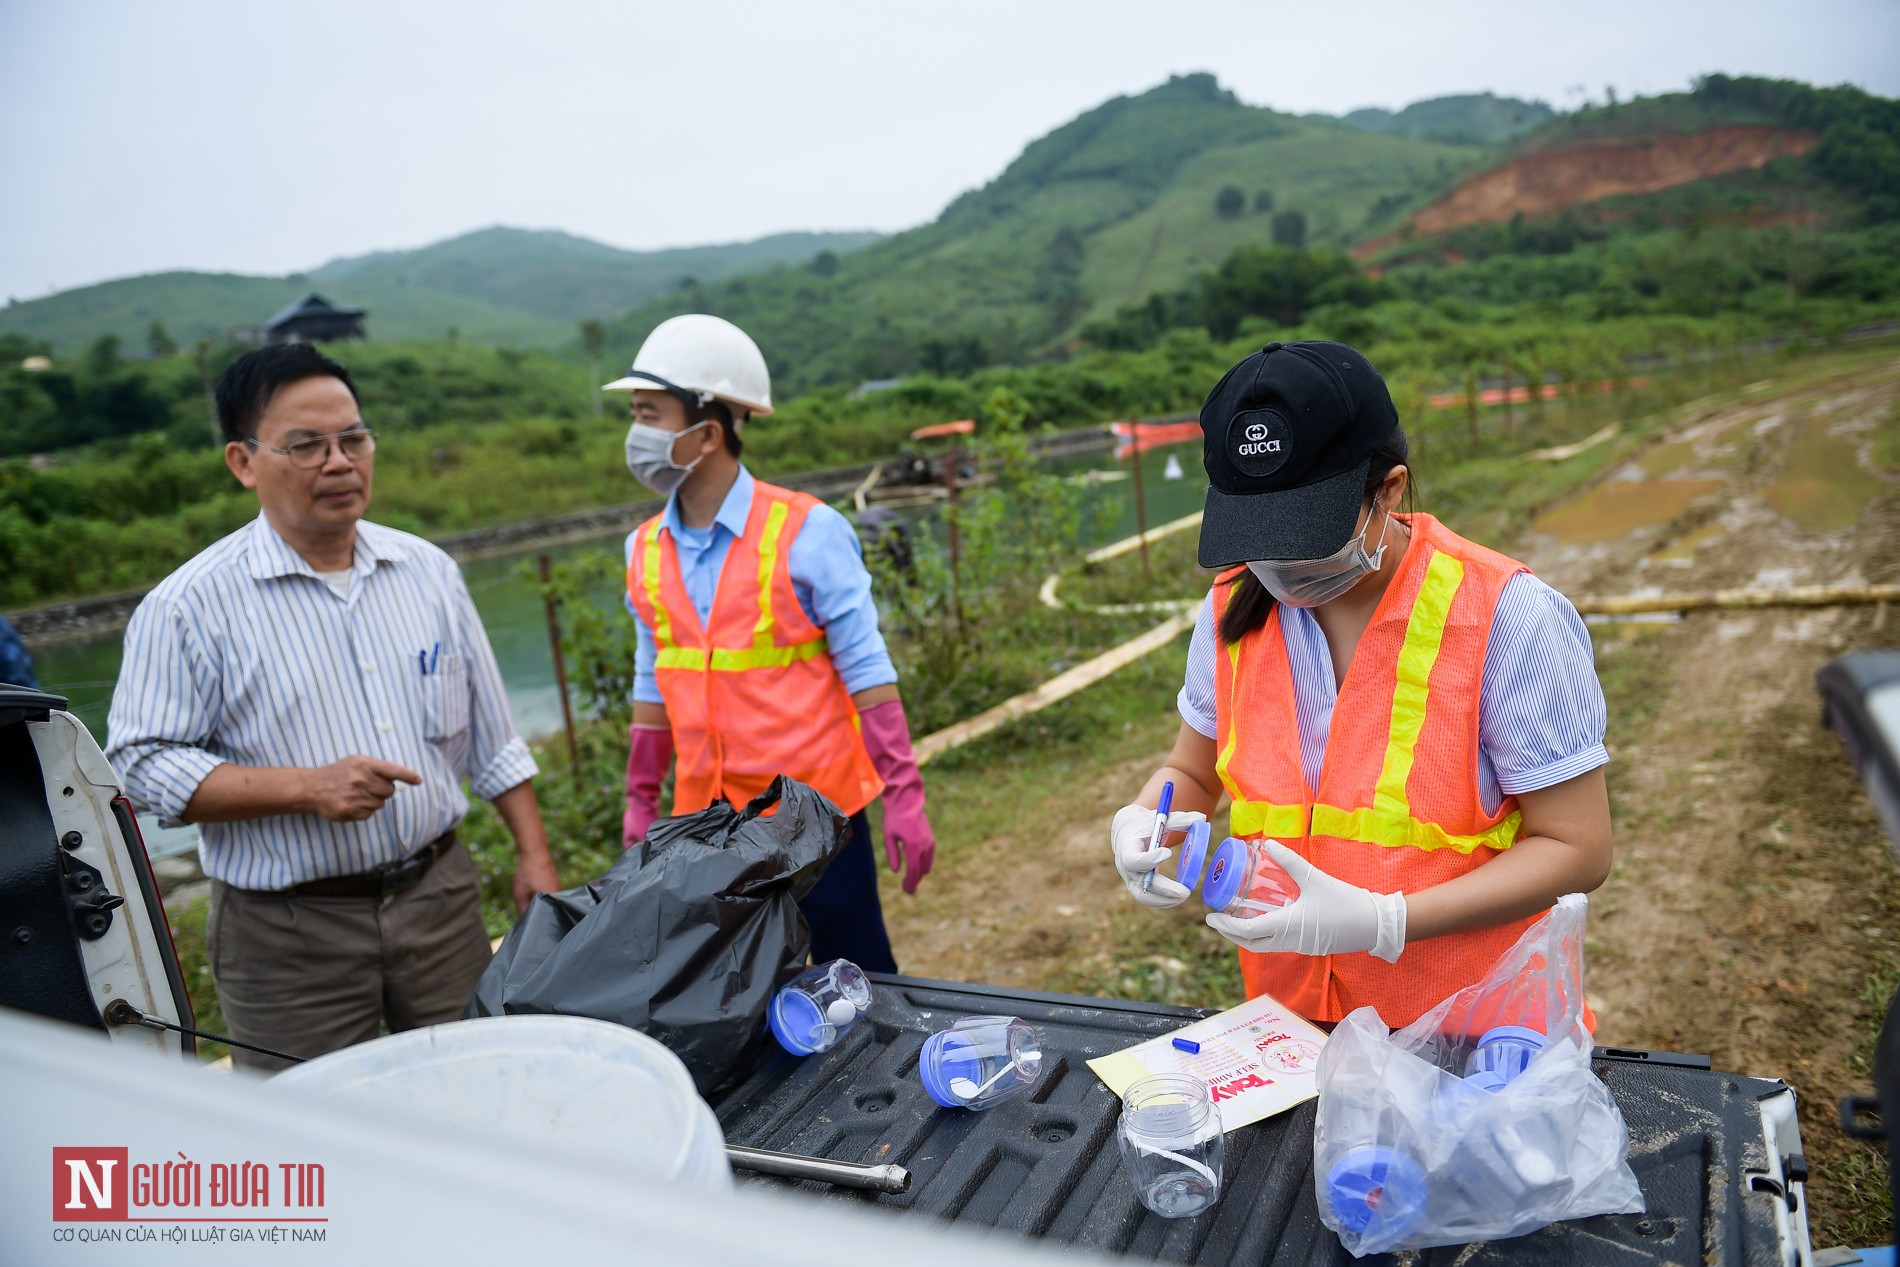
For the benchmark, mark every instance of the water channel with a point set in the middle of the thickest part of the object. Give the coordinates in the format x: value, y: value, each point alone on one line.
x: 84, y: 670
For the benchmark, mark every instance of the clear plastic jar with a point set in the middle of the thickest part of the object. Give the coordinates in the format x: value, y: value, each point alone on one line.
x: 980, y: 1061
x: 812, y: 1011
x: 1171, y: 1144
x: 1243, y: 879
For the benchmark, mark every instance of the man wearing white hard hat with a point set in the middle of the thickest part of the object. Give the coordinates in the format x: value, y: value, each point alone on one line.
x: 759, y: 651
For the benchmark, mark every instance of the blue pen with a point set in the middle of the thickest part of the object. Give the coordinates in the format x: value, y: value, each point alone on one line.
x: 1159, y: 835
x: 422, y: 662
x: 434, y: 656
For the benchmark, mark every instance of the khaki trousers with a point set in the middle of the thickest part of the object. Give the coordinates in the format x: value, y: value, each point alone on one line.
x: 309, y: 975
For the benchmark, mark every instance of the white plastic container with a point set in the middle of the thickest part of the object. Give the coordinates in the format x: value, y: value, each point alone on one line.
x: 603, y: 1094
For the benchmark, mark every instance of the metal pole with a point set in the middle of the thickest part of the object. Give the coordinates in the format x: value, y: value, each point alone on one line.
x: 887, y: 1178
x: 560, y: 670
x: 950, y: 463
x: 1141, y: 497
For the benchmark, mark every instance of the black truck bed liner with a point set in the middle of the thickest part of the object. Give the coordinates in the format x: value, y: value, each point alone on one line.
x: 1047, y: 1166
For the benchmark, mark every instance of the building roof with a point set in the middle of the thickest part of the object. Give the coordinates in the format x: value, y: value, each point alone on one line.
x: 314, y: 305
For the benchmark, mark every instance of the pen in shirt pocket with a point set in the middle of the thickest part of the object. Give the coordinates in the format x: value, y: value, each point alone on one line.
x: 426, y: 659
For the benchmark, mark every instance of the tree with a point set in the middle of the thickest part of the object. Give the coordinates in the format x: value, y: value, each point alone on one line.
x: 158, y: 341
x: 1230, y: 202
x: 825, y: 263
x: 594, y: 339
x: 1279, y: 283
x: 102, y: 357
x: 1263, y: 201
x: 1289, y: 229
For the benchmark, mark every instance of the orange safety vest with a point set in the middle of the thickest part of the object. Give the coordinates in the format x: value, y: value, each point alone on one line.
x: 751, y: 694
x: 1398, y: 806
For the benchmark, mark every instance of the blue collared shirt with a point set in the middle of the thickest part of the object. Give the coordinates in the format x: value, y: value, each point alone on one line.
x: 828, y: 577
x: 246, y: 655
x: 1541, y: 715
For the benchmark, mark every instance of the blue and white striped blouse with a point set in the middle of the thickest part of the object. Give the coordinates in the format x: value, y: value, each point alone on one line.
x: 1541, y: 714
x: 245, y: 655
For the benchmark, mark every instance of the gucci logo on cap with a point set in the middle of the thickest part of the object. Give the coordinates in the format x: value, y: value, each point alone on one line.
x: 1259, y: 442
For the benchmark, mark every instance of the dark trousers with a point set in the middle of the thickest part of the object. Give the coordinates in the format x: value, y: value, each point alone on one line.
x: 847, y: 921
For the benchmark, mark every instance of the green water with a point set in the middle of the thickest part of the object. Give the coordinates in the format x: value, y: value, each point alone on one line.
x: 85, y: 669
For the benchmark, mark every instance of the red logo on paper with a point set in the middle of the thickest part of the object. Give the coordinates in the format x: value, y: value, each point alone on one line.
x: 89, y: 1185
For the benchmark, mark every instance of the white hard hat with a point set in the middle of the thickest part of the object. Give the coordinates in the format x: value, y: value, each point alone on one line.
x: 701, y: 356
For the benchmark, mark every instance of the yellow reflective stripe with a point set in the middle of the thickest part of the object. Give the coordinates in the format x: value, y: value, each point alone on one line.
x: 1424, y: 632
x: 662, y: 625
x: 1402, y: 831
x: 1260, y: 818
x: 768, y: 564
x: 1233, y: 722
x: 766, y: 657
x: 738, y: 660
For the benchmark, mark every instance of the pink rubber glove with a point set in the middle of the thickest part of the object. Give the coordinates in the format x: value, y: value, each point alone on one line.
x: 649, y: 754
x: 907, y: 831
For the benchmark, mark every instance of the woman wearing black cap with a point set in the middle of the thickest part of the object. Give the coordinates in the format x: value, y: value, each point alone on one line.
x: 1415, y: 719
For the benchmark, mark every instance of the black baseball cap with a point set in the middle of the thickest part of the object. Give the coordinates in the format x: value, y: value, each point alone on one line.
x: 1287, y: 437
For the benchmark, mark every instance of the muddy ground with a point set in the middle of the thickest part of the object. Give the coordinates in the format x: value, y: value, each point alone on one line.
x: 1754, y: 910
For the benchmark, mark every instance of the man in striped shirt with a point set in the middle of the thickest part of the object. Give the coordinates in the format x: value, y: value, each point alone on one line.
x: 313, y: 689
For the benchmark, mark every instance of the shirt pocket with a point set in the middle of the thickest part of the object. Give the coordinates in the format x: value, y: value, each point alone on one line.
x: 445, y: 699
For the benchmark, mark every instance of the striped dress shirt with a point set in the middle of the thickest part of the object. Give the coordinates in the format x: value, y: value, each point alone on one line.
x: 245, y: 655
x: 1541, y: 715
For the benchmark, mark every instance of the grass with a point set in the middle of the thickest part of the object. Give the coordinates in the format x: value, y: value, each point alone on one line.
x: 188, y: 934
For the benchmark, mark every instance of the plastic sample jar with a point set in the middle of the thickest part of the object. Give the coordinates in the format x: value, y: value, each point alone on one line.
x: 1381, y: 1184
x: 811, y: 1012
x: 980, y: 1061
x: 1502, y: 1054
x: 1243, y: 879
x: 1171, y: 1144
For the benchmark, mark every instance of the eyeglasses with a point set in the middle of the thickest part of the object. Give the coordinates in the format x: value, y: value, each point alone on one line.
x: 309, y: 454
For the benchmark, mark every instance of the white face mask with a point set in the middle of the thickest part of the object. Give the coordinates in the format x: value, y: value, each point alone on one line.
x: 1310, y: 582
x: 650, y: 456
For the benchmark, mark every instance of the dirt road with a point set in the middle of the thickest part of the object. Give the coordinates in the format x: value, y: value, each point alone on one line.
x: 1754, y: 910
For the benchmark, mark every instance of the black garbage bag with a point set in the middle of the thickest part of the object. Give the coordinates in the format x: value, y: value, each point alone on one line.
x: 684, y: 938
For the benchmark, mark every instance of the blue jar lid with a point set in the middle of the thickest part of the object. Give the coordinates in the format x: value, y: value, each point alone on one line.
x: 943, y: 1059
x: 1485, y: 1080
x: 796, y: 1022
x: 1187, y: 872
x: 1534, y: 1039
x: 1226, y: 874
x: 1375, y: 1183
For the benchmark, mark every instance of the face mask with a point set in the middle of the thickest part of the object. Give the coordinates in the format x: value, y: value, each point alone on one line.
x: 650, y: 456
x: 1310, y: 582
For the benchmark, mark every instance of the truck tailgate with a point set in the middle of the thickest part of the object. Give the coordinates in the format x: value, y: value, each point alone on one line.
x: 1047, y: 1166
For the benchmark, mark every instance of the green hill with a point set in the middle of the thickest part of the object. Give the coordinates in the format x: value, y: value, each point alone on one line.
x: 1479, y: 118
x: 559, y: 276
x: 1131, y: 197
x: 509, y: 287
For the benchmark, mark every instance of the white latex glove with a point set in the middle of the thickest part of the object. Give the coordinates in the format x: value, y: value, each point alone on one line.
x: 1329, y: 917
x: 1133, y: 858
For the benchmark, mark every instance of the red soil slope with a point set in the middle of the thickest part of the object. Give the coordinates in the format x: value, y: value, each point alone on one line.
x: 1568, y: 175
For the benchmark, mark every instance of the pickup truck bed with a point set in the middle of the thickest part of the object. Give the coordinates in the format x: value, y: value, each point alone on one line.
x: 1717, y: 1154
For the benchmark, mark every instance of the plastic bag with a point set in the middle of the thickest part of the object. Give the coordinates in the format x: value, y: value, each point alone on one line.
x: 685, y: 938
x: 1409, y: 1152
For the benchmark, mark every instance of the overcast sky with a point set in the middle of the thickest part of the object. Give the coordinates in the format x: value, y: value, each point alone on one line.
x: 263, y: 138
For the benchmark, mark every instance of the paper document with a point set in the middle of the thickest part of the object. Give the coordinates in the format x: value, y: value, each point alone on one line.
x: 1257, y: 1059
